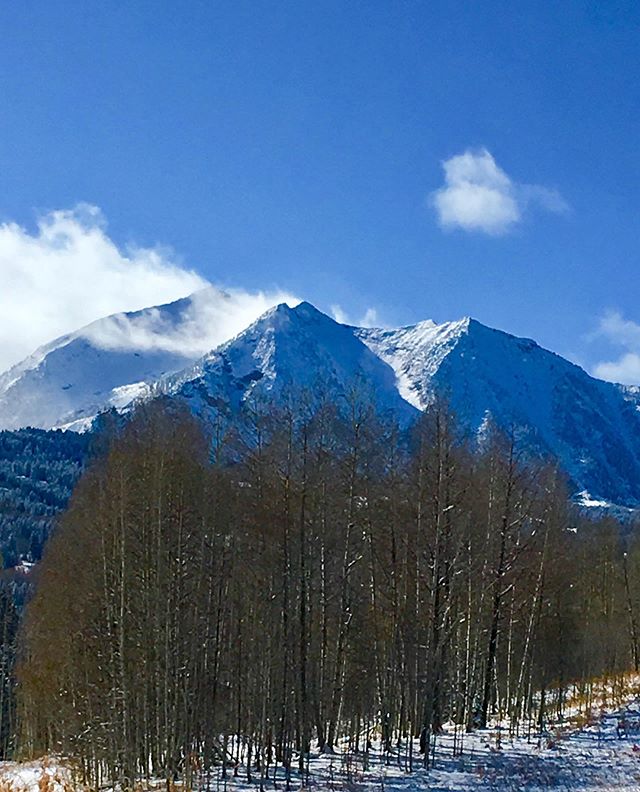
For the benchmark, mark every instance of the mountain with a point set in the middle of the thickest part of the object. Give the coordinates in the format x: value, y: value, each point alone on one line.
x: 591, y: 426
x: 109, y: 363
x: 556, y: 409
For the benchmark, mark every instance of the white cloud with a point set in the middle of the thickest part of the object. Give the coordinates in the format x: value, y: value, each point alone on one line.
x: 479, y: 196
x: 368, y: 319
x: 626, y: 369
x: 625, y: 334
x: 69, y: 273
x: 619, y: 330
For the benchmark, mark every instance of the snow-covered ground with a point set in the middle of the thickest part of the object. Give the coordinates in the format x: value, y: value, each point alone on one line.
x: 591, y: 758
x: 597, y: 756
x: 600, y: 755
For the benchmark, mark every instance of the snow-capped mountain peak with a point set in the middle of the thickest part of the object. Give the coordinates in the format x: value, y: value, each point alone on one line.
x: 288, y: 348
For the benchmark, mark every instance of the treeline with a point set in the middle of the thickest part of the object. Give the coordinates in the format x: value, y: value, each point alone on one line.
x: 317, y: 576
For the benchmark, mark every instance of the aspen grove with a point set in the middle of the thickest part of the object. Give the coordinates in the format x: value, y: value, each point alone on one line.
x: 235, y: 594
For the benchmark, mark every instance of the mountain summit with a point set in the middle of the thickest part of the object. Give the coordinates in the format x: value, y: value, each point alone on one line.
x: 108, y: 363
x: 290, y: 349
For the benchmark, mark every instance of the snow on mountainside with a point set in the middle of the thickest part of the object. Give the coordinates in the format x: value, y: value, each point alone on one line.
x: 631, y: 393
x: 108, y: 363
x: 415, y: 353
x: 591, y: 426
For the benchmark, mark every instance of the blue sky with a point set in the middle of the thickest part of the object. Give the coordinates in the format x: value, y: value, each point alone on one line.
x: 300, y: 146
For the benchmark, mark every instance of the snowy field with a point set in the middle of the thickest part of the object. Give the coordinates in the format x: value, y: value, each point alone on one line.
x: 593, y: 757
x: 601, y: 755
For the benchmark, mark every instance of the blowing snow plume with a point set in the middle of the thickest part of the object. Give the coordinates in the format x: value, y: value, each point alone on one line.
x: 189, y: 327
x: 69, y: 272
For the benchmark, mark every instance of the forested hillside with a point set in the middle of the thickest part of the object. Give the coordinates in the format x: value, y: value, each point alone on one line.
x: 317, y: 577
x: 38, y: 470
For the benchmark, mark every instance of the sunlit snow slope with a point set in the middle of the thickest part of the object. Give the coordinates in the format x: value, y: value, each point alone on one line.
x: 108, y: 363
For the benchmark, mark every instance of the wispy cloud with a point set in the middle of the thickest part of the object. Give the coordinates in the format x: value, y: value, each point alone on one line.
x: 478, y: 195
x: 69, y: 272
x: 368, y: 319
x: 624, y: 334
